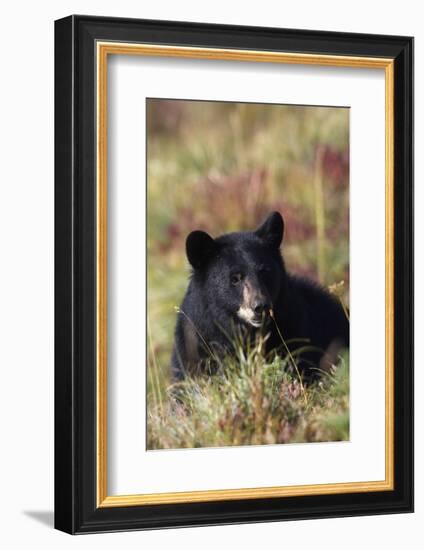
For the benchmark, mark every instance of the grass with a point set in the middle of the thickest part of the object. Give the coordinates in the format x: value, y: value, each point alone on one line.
x: 223, y: 167
x: 252, y: 400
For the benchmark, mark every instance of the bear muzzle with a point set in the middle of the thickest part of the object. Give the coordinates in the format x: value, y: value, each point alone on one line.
x: 255, y: 306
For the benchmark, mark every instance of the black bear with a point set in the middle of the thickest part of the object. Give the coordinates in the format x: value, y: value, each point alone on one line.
x: 239, y: 280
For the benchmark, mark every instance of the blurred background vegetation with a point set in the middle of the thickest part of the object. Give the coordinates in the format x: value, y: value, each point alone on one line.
x: 223, y: 167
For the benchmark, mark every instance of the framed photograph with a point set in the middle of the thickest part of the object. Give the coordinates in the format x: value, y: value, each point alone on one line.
x: 234, y: 274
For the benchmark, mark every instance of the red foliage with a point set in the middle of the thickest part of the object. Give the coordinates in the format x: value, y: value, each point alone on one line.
x: 335, y: 165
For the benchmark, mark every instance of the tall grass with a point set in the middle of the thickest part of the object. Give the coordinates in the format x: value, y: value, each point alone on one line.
x: 252, y: 400
x: 320, y: 214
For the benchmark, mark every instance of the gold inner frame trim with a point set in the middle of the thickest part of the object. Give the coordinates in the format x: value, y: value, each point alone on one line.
x: 103, y: 50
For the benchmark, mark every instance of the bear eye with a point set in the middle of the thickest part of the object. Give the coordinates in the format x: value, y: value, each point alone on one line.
x: 236, y: 278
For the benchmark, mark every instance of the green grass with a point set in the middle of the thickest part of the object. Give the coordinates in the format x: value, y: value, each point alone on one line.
x: 252, y: 400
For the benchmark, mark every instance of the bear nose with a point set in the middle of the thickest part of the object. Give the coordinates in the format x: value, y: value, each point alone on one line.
x: 260, y: 307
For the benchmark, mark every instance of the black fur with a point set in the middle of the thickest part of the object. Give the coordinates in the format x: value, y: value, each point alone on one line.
x: 236, y: 265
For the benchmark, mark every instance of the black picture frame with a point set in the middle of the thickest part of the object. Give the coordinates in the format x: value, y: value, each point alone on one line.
x: 76, y: 509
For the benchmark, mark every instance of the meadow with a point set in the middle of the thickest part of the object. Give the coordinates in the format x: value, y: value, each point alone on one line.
x: 223, y: 167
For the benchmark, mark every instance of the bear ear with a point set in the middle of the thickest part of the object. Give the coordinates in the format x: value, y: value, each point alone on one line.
x: 200, y: 247
x: 272, y: 230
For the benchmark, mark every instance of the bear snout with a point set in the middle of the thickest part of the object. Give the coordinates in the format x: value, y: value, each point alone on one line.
x: 260, y: 307
x: 255, y: 305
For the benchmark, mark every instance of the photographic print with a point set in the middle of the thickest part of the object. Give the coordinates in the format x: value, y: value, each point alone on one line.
x: 247, y: 274
x: 224, y: 316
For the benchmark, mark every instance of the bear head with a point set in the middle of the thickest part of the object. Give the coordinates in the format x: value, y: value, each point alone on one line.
x: 240, y: 274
